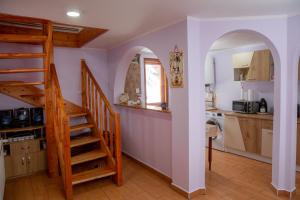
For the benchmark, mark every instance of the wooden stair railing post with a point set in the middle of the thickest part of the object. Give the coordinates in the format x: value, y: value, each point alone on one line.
x: 118, y: 152
x: 67, y: 153
x: 52, y: 158
x: 83, y: 86
x: 109, y: 121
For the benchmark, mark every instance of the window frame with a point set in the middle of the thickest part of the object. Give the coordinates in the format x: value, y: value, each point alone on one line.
x: 164, y: 91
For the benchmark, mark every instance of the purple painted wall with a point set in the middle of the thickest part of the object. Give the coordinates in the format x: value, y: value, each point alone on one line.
x: 160, y: 42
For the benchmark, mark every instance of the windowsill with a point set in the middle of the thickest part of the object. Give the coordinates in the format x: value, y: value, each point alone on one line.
x: 152, y: 108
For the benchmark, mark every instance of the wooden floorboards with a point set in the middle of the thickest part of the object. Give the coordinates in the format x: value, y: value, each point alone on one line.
x: 232, y: 178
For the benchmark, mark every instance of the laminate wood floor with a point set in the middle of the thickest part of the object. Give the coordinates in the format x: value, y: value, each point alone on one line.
x: 232, y: 177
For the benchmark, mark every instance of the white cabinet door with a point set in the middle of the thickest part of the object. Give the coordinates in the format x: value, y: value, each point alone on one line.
x: 242, y: 60
x: 232, y: 134
x: 266, y: 142
x: 209, y: 70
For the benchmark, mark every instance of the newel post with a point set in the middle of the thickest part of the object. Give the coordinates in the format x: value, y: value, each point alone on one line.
x: 83, y: 84
x: 118, y: 151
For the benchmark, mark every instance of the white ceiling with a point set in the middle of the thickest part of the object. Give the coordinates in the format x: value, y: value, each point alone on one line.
x: 236, y: 39
x: 127, y: 19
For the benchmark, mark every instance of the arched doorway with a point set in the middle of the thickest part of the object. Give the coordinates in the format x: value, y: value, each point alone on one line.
x: 241, y: 75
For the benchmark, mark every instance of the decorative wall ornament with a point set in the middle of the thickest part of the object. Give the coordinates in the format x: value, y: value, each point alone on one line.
x: 176, y: 67
x: 124, y: 98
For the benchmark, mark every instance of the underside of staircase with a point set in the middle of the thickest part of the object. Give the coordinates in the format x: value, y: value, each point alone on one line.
x: 83, y: 142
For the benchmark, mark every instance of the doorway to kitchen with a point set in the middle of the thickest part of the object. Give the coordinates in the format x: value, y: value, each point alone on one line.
x: 239, y: 100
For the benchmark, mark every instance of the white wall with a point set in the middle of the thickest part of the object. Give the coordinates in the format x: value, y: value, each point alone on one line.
x: 227, y: 89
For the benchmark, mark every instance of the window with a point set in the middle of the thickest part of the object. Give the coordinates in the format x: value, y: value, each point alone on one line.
x: 156, y: 88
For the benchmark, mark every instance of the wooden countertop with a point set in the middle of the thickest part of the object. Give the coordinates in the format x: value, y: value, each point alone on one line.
x: 230, y: 113
x: 255, y: 116
x: 151, y: 108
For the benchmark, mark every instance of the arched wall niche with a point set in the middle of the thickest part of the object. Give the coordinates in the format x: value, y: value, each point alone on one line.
x: 123, y: 65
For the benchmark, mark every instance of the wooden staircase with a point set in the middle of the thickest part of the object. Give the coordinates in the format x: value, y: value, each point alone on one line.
x: 84, y: 140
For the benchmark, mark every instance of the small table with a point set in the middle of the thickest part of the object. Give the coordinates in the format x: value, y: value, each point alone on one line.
x: 211, y: 131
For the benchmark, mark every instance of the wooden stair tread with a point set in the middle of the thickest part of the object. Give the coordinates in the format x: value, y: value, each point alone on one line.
x: 21, y: 55
x: 32, y: 95
x: 22, y: 70
x: 83, y: 140
x: 73, y: 115
x: 16, y: 84
x: 92, y: 175
x: 85, y: 157
x: 22, y: 38
x: 81, y: 126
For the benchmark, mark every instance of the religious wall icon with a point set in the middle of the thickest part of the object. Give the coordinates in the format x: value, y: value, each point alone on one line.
x: 176, y: 67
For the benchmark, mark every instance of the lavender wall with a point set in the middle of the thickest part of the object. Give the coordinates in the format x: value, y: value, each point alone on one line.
x: 227, y: 89
x: 67, y: 62
x: 147, y: 137
x: 161, y: 42
x: 293, y: 54
x: 283, y: 173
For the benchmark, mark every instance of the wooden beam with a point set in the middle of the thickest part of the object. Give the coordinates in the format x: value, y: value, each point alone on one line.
x: 21, y: 55
x: 61, y: 39
x: 17, y: 84
x: 22, y: 38
x: 14, y: 18
x: 23, y: 70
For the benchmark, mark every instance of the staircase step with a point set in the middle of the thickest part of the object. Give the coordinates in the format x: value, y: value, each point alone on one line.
x: 92, y: 175
x: 17, y: 84
x: 21, y: 55
x: 24, y: 70
x: 83, y: 140
x: 85, y: 157
x: 22, y: 38
x: 74, y: 115
x: 32, y: 95
x: 81, y: 126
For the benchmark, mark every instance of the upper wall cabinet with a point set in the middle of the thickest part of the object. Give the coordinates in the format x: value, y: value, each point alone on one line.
x: 253, y: 66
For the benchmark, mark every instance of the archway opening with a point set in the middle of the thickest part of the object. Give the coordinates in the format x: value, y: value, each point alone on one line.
x: 142, y: 80
x: 240, y: 76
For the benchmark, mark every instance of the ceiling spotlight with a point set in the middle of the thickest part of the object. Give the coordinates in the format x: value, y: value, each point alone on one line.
x: 73, y: 13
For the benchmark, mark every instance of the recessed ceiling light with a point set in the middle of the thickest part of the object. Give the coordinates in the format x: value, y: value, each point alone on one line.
x: 73, y: 13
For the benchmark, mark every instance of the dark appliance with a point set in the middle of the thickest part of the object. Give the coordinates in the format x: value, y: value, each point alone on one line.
x: 263, y: 107
x: 21, y: 117
x: 36, y: 116
x: 6, y: 119
x: 243, y: 106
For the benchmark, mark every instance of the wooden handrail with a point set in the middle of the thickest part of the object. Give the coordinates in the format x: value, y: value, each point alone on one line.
x: 106, y: 120
x: 61, y: 131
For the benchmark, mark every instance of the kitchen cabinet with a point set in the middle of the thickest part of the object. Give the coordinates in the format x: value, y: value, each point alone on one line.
x: 250, y: 129
x: 233, y: 137
x: 253, y: 133
x: 25, y: 158
x: 266, y: 142
x: 253, y: 66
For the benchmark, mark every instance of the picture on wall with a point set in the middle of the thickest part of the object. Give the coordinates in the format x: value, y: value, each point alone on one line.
x: 176, y: 67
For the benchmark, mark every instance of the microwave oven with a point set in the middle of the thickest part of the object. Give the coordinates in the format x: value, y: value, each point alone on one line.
x: 243, y: 106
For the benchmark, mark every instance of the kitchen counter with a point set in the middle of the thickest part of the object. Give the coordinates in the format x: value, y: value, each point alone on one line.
x: 255, y: 116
